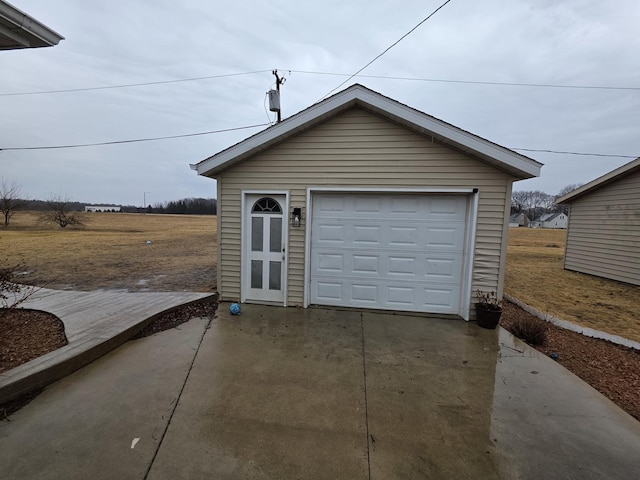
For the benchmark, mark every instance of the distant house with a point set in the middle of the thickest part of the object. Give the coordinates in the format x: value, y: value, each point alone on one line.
x: 519, y: 220
x: 603, y: 237
x: 101, y: 208
x: 361, y: 201
x: 551, y: 220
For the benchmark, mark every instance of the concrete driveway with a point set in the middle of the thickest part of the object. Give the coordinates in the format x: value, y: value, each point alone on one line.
x: 321, y: 393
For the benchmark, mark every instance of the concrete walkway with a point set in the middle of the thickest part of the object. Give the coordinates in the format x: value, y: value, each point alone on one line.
x: 95, y: 323
x: 321, y: 393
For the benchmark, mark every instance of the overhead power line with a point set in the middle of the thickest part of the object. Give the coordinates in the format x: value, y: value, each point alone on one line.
x: 471, y: 82
x: 575, y: 153
x: 388, y: 48
x: 151, y: 139
x: 136, y: 140
x: 129, y: 85
x: 334, y: 74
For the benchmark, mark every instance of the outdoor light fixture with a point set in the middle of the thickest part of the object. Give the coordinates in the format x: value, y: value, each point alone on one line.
x: 296, y: 214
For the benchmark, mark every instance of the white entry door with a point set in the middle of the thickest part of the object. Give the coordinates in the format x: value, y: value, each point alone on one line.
x: 264, y: 245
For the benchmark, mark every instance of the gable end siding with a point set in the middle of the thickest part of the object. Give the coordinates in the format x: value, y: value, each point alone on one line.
x: 604, y: 232
x: 359, y: 149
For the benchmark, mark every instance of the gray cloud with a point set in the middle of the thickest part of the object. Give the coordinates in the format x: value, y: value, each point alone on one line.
x: 110, y: 43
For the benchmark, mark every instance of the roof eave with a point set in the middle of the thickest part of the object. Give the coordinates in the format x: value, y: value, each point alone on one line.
x: 24, y: 31
x: 518, y: 165
x: 599, y: 182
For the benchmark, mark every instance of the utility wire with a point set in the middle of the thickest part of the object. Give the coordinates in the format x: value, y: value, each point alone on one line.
x: 472, y: 82
x: 128, y: 85
x: 575, y: 153
x: 335, y: 74
x: 388, y: 48
x: 118, y: 142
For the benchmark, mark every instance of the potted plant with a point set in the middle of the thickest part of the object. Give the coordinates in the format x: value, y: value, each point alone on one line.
x: 488, y: 309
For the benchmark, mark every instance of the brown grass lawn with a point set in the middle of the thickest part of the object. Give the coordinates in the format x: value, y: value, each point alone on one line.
x: 535, y: 275
x: 111, y: 252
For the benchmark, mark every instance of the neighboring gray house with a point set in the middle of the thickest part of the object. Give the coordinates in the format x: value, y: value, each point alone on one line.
x: 603, y: 238
x: 551, y: 220
x: 361, y: 201
x: 519, y: 220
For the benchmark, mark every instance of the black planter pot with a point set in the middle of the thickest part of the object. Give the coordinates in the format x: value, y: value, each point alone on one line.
x: 487, y: 317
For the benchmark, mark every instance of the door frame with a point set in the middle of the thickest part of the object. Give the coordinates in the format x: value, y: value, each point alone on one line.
x: 245, y: 242
x: 469, y: 241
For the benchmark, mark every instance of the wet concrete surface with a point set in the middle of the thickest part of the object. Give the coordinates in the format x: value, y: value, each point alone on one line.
x: 322, y: 393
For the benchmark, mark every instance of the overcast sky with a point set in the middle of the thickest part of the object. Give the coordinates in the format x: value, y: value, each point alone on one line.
x: 110, y: 43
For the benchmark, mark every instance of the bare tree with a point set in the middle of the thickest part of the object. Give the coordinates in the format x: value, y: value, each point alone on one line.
x: 9, y: 200
x: 61, y: 213
x: 519, y: 201
x: 568, y: 188
x: 12, y: 293
x: 563, y: 191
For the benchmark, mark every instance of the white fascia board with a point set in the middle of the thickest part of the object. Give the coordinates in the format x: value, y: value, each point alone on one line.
x: 276, y: 133
x: 500, y: 157
x: 465, y: 141
x: 30, y: 32
x: 599, y: 182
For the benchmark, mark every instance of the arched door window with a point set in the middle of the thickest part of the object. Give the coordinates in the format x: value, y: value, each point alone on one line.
x: 266, y: 205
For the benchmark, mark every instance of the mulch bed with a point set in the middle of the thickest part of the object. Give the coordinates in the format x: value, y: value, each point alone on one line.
x: 27, y: 334
x: 178, y: 317
x: 613, y: 370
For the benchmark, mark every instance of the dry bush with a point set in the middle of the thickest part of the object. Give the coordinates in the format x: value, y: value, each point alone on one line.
x: 530, y: 330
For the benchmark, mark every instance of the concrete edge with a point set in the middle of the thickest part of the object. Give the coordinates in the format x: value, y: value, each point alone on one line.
x: 33, y: 380
x: 586, y: 331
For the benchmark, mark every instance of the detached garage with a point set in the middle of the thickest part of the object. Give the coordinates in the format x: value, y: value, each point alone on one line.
x: 361, y: 201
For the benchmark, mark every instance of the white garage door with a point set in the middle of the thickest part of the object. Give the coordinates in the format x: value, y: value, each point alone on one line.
x: 388, y: 251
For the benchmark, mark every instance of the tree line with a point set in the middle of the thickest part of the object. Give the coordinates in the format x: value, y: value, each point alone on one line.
x: 64, y: 211
x: 534, y: 203
x: 188, y: 206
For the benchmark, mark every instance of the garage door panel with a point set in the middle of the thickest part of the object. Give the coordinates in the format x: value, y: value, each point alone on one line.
x: 434, y: 267
x: 331, y: 233
x: 366, y: 205
x: 331, y: 263
x: 366, y: 264
x: 328, y: 293
x: 402, y: 252
x: 364, y: 293
x: 445, y: 237
x: 392, y: 235
x: 365, y: 234
x: 439, y: 300
x: 402, y: 266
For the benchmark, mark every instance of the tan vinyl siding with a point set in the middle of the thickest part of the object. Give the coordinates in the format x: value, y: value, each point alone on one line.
x: 360, y: 149
x: 603, y: 238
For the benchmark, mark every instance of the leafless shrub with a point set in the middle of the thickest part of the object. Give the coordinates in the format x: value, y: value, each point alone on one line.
x: 531, y: 330
x: 60, y: 212
x: 12, y: 293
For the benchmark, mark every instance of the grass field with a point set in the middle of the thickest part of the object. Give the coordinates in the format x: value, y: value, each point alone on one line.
x: 535, y: 275
x: 111, y: 252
